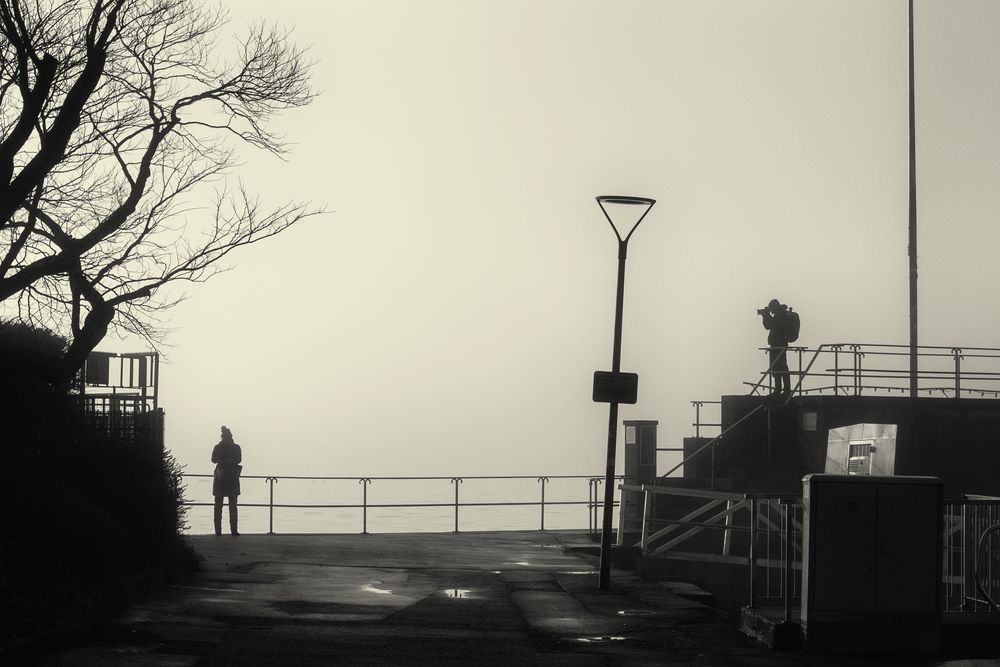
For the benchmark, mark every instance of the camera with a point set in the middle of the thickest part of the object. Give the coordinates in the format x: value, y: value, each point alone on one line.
x: 762, y: 311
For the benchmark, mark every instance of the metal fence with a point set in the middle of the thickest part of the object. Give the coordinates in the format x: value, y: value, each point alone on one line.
x: 774, y: 525
x: 866, y: 369
x: 971, y: 554
x: 776, y: 548
x: 855, y: 369
x: 457, y: 501
x: 140, y: 428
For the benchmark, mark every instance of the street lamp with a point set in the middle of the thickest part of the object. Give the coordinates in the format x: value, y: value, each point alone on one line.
x: 616, y: 387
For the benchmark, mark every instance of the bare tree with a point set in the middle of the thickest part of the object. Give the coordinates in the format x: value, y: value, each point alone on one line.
x: 118, y: 122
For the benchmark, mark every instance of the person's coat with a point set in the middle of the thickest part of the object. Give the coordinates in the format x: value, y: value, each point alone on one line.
x: 227, y: 457
x: 777, y: 327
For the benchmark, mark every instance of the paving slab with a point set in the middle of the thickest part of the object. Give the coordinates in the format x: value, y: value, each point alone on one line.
x: 505, y: 598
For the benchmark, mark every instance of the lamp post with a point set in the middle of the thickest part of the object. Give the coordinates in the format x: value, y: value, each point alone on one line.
x: 617, y: 387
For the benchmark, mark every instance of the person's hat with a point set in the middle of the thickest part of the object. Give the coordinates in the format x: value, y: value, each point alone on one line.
x: 773, y: 303
x: 226, y: 431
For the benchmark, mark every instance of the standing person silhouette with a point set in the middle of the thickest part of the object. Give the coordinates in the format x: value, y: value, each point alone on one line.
x: 226, y: 456
x: 775, y: 317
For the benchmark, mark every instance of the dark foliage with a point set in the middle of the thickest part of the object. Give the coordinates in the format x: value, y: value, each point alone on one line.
x: 89, y: 519
x: 25, y: 337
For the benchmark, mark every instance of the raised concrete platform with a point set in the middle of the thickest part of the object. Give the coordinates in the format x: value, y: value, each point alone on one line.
x: 968, y: 638
x: 768, y: 626
x: 510, y: 598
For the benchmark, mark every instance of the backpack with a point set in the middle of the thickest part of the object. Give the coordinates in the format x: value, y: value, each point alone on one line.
x: 792, y: 325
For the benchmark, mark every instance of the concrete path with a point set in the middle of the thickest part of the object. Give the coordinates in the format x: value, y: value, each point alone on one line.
x: 510, y: 598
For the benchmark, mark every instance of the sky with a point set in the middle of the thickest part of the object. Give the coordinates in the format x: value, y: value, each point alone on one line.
x: 447, y: 313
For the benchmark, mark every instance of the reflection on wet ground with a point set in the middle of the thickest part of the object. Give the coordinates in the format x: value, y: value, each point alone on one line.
x: 371, y: 588
x: 640, y: 613
x: 459, y: 593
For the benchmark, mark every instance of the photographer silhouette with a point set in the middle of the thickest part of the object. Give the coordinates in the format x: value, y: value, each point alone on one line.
x: 776, y: 318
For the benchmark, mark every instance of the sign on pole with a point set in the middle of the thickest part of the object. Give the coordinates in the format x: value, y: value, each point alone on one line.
x: 610, y: 387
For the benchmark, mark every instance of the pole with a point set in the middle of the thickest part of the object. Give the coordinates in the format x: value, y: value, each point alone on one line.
x: 604, y: 580
x: 913, y: 217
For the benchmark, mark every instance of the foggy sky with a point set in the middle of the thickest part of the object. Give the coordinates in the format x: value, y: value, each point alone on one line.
x: 446, y: 316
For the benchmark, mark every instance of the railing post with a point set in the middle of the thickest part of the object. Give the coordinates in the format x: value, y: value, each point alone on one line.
x: 856, y: 350
x: 965, y: 560
x: 590, y: 505
x: 711, y: 484
x: 647, y: 502
x: 596, y: 483
x: 753, y: 550
x: 957, y: 353
x: 543, y: 480
x: 798, y: 385
x: 768, y: 411
x: 697, y: 418
x: 726, y: 533
x: 364, y: 482
x: 620, y: 537
x: 770, y: 372
x: 788, y: 559
x: 456, y: 481
x: 271, y: 481
x: 836, y: 369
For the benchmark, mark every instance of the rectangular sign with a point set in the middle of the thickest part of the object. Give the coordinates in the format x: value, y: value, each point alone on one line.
x: 615, y: 387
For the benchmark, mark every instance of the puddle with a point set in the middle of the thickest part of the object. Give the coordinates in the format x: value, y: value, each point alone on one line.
x: 522, y: 563
x: 598, y: 640
x: 459, y: 593
x: 580, y: 572
x: 369, y: 588
x: 644, y: 613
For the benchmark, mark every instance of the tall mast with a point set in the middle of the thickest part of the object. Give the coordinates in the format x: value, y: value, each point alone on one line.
x: 913, y: 220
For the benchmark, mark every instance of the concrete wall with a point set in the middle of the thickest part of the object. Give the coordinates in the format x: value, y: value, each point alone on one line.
x: 957, y: 440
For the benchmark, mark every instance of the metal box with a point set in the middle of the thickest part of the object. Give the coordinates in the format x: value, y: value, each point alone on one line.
x: 640, y: 468
x: 871, y: 567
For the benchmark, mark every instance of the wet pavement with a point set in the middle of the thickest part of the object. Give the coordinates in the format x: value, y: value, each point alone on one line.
x: 505, y: 598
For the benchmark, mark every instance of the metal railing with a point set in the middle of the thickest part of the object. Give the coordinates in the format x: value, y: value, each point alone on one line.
x: 751, y: 528
x: 593, y: 504
x: 854, y: 369
x: 966, y: 522
x: 711, y: 445
x: 773, y: 526
x: 698, y: 423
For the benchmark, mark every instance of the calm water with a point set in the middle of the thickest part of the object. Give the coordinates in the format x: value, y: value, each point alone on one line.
x: 350, y: 492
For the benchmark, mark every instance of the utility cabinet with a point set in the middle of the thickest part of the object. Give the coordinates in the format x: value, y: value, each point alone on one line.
x: 871, y: 567
x: 640, y: 450
x: 640, y: 468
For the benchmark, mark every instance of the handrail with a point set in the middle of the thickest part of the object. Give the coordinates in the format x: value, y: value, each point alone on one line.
x: 776, y: 539
x: 857, y: 375
x: 693, y: 493
x: 712, y: 442
x: 758, y: 525
x: 850, y: 376
x: 593, y: 503
x: 802, y: 375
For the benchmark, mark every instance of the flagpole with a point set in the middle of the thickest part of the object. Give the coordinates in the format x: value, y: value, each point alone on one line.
x: 913, y: 218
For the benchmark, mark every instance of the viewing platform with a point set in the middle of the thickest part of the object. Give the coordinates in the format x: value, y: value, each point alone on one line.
x: 734, y: 521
